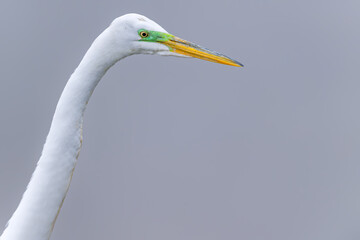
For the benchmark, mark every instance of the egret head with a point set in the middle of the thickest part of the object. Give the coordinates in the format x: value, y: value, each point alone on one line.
x: 143, y: 36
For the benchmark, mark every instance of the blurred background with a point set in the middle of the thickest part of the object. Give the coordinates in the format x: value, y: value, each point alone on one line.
x: 186, y: 149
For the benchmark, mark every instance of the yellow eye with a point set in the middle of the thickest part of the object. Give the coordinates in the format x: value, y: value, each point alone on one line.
x: 144, y: 34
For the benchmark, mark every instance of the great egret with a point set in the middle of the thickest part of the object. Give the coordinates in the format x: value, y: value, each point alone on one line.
x: 35, y: 217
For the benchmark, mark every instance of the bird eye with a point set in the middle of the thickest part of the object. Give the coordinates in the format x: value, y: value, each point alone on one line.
x: 144, y: 34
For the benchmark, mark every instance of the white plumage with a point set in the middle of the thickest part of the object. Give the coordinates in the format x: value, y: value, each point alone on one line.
x: 36, y: 214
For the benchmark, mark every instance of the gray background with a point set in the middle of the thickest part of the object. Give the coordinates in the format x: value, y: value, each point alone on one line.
x: 186, y: 149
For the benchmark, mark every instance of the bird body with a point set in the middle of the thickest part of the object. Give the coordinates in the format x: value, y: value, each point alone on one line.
x: 35, y: 217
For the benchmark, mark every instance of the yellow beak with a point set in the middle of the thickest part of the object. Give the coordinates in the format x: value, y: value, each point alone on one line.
x: 184, y: 47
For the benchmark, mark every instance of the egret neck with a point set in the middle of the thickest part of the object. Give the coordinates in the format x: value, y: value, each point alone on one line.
x: 40, y: 205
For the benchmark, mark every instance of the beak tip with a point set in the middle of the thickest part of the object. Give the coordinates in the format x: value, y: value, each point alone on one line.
x: 239, y: 64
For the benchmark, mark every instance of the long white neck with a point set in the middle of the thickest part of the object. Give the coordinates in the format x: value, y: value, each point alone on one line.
x: 36, y: 214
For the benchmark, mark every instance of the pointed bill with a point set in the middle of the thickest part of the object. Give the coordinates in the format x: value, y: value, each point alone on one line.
x: 180, y: 46
x: 184, y: 47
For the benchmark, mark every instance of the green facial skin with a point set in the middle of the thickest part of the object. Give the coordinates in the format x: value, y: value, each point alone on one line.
x: 185, y: 48
x: 154, y: 36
